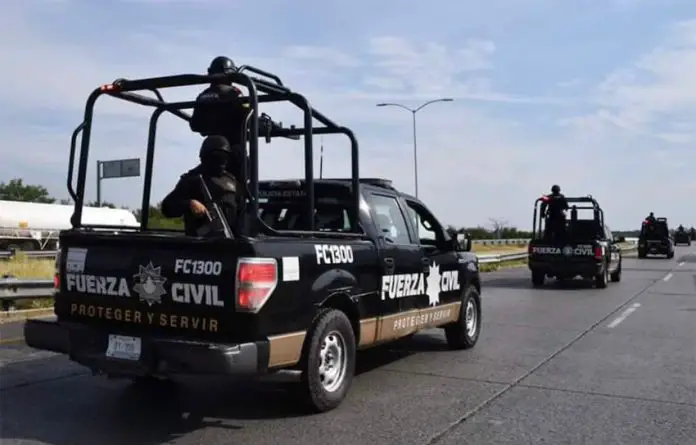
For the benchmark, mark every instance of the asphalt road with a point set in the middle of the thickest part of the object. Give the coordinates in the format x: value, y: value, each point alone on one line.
x: 571, y: 365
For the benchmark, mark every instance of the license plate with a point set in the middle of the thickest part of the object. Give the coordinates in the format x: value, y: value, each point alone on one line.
x: 123, y: 347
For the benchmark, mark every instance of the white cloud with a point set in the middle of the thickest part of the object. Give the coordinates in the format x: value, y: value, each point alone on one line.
x: 480, y: 156
x: 659, y: 85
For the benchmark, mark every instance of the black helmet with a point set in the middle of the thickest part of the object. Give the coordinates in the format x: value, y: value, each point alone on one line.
x: 214, y: 145
x: 221, y: 65
x: 555, y: 189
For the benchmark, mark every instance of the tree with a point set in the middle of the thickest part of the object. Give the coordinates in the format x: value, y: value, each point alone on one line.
x: 498, y: 225
x: 158, y: 221
x: 103, y: 204
x: 17, y: 190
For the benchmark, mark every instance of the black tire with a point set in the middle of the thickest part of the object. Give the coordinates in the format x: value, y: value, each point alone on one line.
x: 641, y: 254
x: 464, y: 334
x: 331, y: 328
x: 150, y: 382
x: 538, y: 278
x: 602, y: 279
x: 670, y: 255
x: 616, y: 275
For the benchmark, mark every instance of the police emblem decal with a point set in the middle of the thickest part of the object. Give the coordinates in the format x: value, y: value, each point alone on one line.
x: 567, y: 251
x: 150, y: 284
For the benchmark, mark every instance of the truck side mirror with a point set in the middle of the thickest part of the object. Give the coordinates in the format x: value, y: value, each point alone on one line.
x: 464, y: 240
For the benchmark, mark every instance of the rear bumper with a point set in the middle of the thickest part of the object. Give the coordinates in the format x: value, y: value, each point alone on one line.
x: 588, y: 268
x: 655, y: 249
x: 87, y: 346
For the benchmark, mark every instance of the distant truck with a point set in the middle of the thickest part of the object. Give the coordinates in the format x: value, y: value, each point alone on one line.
x: 655, y: 239
x: 587, y: 248
x: 35, y: 226
x: 682, y: 236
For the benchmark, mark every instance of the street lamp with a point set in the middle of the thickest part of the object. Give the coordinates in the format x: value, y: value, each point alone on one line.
x: 415, y: 144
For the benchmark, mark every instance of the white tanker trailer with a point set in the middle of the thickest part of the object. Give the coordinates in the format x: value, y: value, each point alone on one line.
x: 35, y: 226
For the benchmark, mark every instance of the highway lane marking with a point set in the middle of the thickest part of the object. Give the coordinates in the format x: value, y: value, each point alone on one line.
x: 680, y: 264
x: 668, y: 276
x: 618, y: 320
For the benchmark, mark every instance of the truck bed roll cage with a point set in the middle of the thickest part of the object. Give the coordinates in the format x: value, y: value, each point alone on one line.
x: 272, y: 90
x: 577, y: 202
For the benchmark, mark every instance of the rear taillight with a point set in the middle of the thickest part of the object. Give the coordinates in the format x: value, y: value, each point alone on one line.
x: 598, y: 253
x: 56, y: 275
x: 257, y: 278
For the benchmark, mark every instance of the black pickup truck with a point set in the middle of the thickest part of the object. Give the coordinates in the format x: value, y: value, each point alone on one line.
x: 655, y: 239
x: 682, y: 236
x: 315, y: 270
x: 586, y: 247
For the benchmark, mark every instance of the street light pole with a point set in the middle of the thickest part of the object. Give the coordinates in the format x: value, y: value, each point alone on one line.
x: 413, y: 112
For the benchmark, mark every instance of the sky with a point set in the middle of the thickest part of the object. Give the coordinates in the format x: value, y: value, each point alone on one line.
x: 598, y: 96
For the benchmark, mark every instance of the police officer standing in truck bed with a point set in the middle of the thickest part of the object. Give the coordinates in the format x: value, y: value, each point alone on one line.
x: 219, y: 110
x: 187, y: 199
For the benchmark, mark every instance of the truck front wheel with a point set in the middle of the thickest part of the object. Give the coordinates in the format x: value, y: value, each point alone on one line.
x: 464, y: 333
x: 329, y: 360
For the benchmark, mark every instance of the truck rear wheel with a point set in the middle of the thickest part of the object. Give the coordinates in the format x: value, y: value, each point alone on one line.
x: 329, y: 361
x: 538, y: 278
x: 464, y: 333
x: 602, y: 278
x: 616, y: 275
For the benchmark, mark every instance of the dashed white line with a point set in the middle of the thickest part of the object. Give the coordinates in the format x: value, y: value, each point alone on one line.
x: 617, y: 321
x: 680, y: 264
x: 668, y: 276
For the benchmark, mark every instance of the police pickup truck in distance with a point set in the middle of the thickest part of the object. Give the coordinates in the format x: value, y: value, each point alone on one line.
x: 682, y: 236
x: 654, y: 239
x: 584, y: 247
x: 315, y: 270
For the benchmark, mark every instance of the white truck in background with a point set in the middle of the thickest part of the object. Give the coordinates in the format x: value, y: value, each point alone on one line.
x: 31, y: 226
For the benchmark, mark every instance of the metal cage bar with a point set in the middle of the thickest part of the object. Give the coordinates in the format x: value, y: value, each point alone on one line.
x: 270, y: 92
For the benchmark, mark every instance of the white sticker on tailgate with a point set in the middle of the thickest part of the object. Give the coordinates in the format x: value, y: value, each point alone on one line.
x: 291, y: 268
x: 75, y: 260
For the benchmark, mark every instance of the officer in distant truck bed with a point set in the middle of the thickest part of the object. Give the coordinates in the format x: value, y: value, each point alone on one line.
x: 187, y: 198
x: 553, y: 209
x: 219, y: 110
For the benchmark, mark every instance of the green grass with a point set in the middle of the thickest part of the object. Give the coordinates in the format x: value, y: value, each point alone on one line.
x: 27, y: 268
x: 488, y: 249
x: 505, y: 265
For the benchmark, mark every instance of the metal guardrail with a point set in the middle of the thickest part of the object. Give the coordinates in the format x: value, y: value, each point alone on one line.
x: 521, y: 241
x: 501, y: 258
x: 51, y: 254
x: 12, y: 289
x: 32, y: 254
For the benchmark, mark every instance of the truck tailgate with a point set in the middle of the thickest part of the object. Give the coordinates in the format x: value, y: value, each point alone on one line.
x: 147, y: 284
x: 565, y: 253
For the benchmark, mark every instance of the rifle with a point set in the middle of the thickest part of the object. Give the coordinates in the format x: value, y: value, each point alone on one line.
x: 217, y: 222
